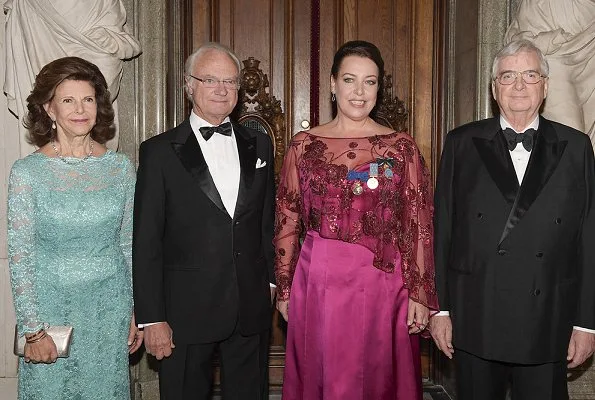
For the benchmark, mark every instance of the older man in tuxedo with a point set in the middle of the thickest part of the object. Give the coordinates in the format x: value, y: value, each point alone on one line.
x: 202, y: 252
x: 515, y: 242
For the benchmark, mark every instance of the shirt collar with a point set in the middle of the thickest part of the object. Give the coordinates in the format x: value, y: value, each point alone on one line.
x: 504, y: 124
x: 197, y: 122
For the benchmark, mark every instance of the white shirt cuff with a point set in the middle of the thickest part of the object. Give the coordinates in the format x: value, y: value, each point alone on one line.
x: 442, y: 314
x: 578, y: 328
x: 147, y: 324
x: 272, y: 285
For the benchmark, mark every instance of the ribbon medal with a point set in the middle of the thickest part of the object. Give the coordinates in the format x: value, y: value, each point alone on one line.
x: 386, y: 164
x: 372, y: 182
x: 358, y: 177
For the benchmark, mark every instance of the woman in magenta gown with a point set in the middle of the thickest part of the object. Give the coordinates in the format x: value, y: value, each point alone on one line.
x: 358, y: 288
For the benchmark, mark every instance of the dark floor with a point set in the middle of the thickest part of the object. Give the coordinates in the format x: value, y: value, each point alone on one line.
x: 430, y: 393
x: 435, y: 393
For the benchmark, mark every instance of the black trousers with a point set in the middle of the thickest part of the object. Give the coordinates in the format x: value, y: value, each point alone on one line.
x: 188, y: 373
x: 478, y: 378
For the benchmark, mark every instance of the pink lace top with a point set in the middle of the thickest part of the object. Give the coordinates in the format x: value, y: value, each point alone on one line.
x: 373, y: 191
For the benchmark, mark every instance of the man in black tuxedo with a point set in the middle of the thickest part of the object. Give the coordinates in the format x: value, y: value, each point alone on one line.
x: 515, y: 242
x: 202, y: 251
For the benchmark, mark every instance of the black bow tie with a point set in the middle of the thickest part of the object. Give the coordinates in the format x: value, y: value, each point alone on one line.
x: 526, y: 138
x: 208, y: 131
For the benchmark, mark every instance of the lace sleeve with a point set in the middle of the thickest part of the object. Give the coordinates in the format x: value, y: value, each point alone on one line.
x: 129, y: 179
x: 416, y: 240
x: 21, y: 249
x: 287, y: 224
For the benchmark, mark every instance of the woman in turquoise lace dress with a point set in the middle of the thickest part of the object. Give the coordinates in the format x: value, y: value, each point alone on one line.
x: 70, y: 239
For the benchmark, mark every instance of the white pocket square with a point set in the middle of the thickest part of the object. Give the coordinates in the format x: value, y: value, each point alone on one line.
x: 260, y: 163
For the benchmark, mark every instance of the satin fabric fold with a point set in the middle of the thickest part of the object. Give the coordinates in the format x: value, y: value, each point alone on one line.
x: 347, y: 336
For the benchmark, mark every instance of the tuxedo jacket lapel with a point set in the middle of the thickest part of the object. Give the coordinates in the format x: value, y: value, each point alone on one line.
x: 544, y: 159
x: 188, y: 151
x: 247, y: 153
x: 493, y: 150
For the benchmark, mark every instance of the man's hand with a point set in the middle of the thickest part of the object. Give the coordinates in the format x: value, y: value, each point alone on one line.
x: 441, y: 331
x: 273, y: 292
x: 158, y: 340
x: 417, y: 317
x: 283, y: 307
x: 580, y: 348
x: 135, y: 336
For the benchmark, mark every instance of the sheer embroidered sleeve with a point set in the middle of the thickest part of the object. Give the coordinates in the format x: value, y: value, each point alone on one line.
x: 416, y: 236
x: 128, y: 182
x: 287, y: 222
x: 21, y: 249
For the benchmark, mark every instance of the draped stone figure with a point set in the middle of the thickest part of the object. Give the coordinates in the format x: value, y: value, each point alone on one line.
x: 564, y: 30
x: 39, y: 31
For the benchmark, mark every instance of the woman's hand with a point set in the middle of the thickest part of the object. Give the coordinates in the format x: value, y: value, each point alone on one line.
x: 135, y: 336
x: 418, y: 316
x: 283, y: 307
x: 43, y: 351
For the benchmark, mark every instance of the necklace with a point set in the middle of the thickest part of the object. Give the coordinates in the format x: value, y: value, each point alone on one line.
x: 59, y: 154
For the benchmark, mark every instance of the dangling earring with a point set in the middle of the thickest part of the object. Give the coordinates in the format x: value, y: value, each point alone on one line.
x: 333, y: 98
x: 53, y: 124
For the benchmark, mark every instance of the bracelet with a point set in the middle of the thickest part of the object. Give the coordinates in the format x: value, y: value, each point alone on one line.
x: 36, y: 334
x: 37, y: 337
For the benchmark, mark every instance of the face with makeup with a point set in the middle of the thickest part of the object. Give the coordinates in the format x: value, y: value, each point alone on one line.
x: 73, y: 108
x: 355, y: 87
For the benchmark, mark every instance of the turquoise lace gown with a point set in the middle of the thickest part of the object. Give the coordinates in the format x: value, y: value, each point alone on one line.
x: 69, y: 249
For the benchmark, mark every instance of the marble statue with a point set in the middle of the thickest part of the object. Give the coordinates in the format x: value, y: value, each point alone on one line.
x: 39, y: 31
x: 564, y: 30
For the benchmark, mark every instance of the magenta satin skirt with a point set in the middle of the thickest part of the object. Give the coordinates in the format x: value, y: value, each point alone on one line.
x: 347, y: 337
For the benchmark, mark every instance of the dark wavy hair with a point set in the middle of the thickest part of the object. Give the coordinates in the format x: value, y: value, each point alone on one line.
x: 360, y: 48
x: 38, y: 122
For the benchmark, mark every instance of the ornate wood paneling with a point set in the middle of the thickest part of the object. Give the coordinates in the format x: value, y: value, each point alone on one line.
x: 405, y: 32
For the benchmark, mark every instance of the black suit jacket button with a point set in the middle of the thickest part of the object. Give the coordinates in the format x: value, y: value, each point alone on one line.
x: 558, y: 221
x: 237, y: 254
x: 479, y: 216
x: 536, y: 292
x: 236, y: 222
x: 539, y: 254
x: 502, y: 252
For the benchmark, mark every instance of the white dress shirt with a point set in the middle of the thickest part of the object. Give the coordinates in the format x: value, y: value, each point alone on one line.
x: 520, y: 159
x: 221, y: 154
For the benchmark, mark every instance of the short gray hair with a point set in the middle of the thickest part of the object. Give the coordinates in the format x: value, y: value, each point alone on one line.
x: 520, y: 46
x: 206, y: 47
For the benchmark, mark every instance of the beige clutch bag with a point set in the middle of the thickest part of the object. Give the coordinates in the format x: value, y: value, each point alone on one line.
x: 61, y: 335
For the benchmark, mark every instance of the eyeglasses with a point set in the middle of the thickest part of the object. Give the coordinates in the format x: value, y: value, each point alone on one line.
x: 229, y: 84
x: 529, y: 77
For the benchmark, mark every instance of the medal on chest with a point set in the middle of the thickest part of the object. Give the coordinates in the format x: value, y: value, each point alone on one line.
x: 372, y: 182
x: 386, y: 167
x: 357, y: 178
x: 382, y: 167
x: 357, y: 188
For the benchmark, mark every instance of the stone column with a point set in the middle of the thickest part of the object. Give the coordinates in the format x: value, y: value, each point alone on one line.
x: 142, y: 114
x: 10, y: 149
